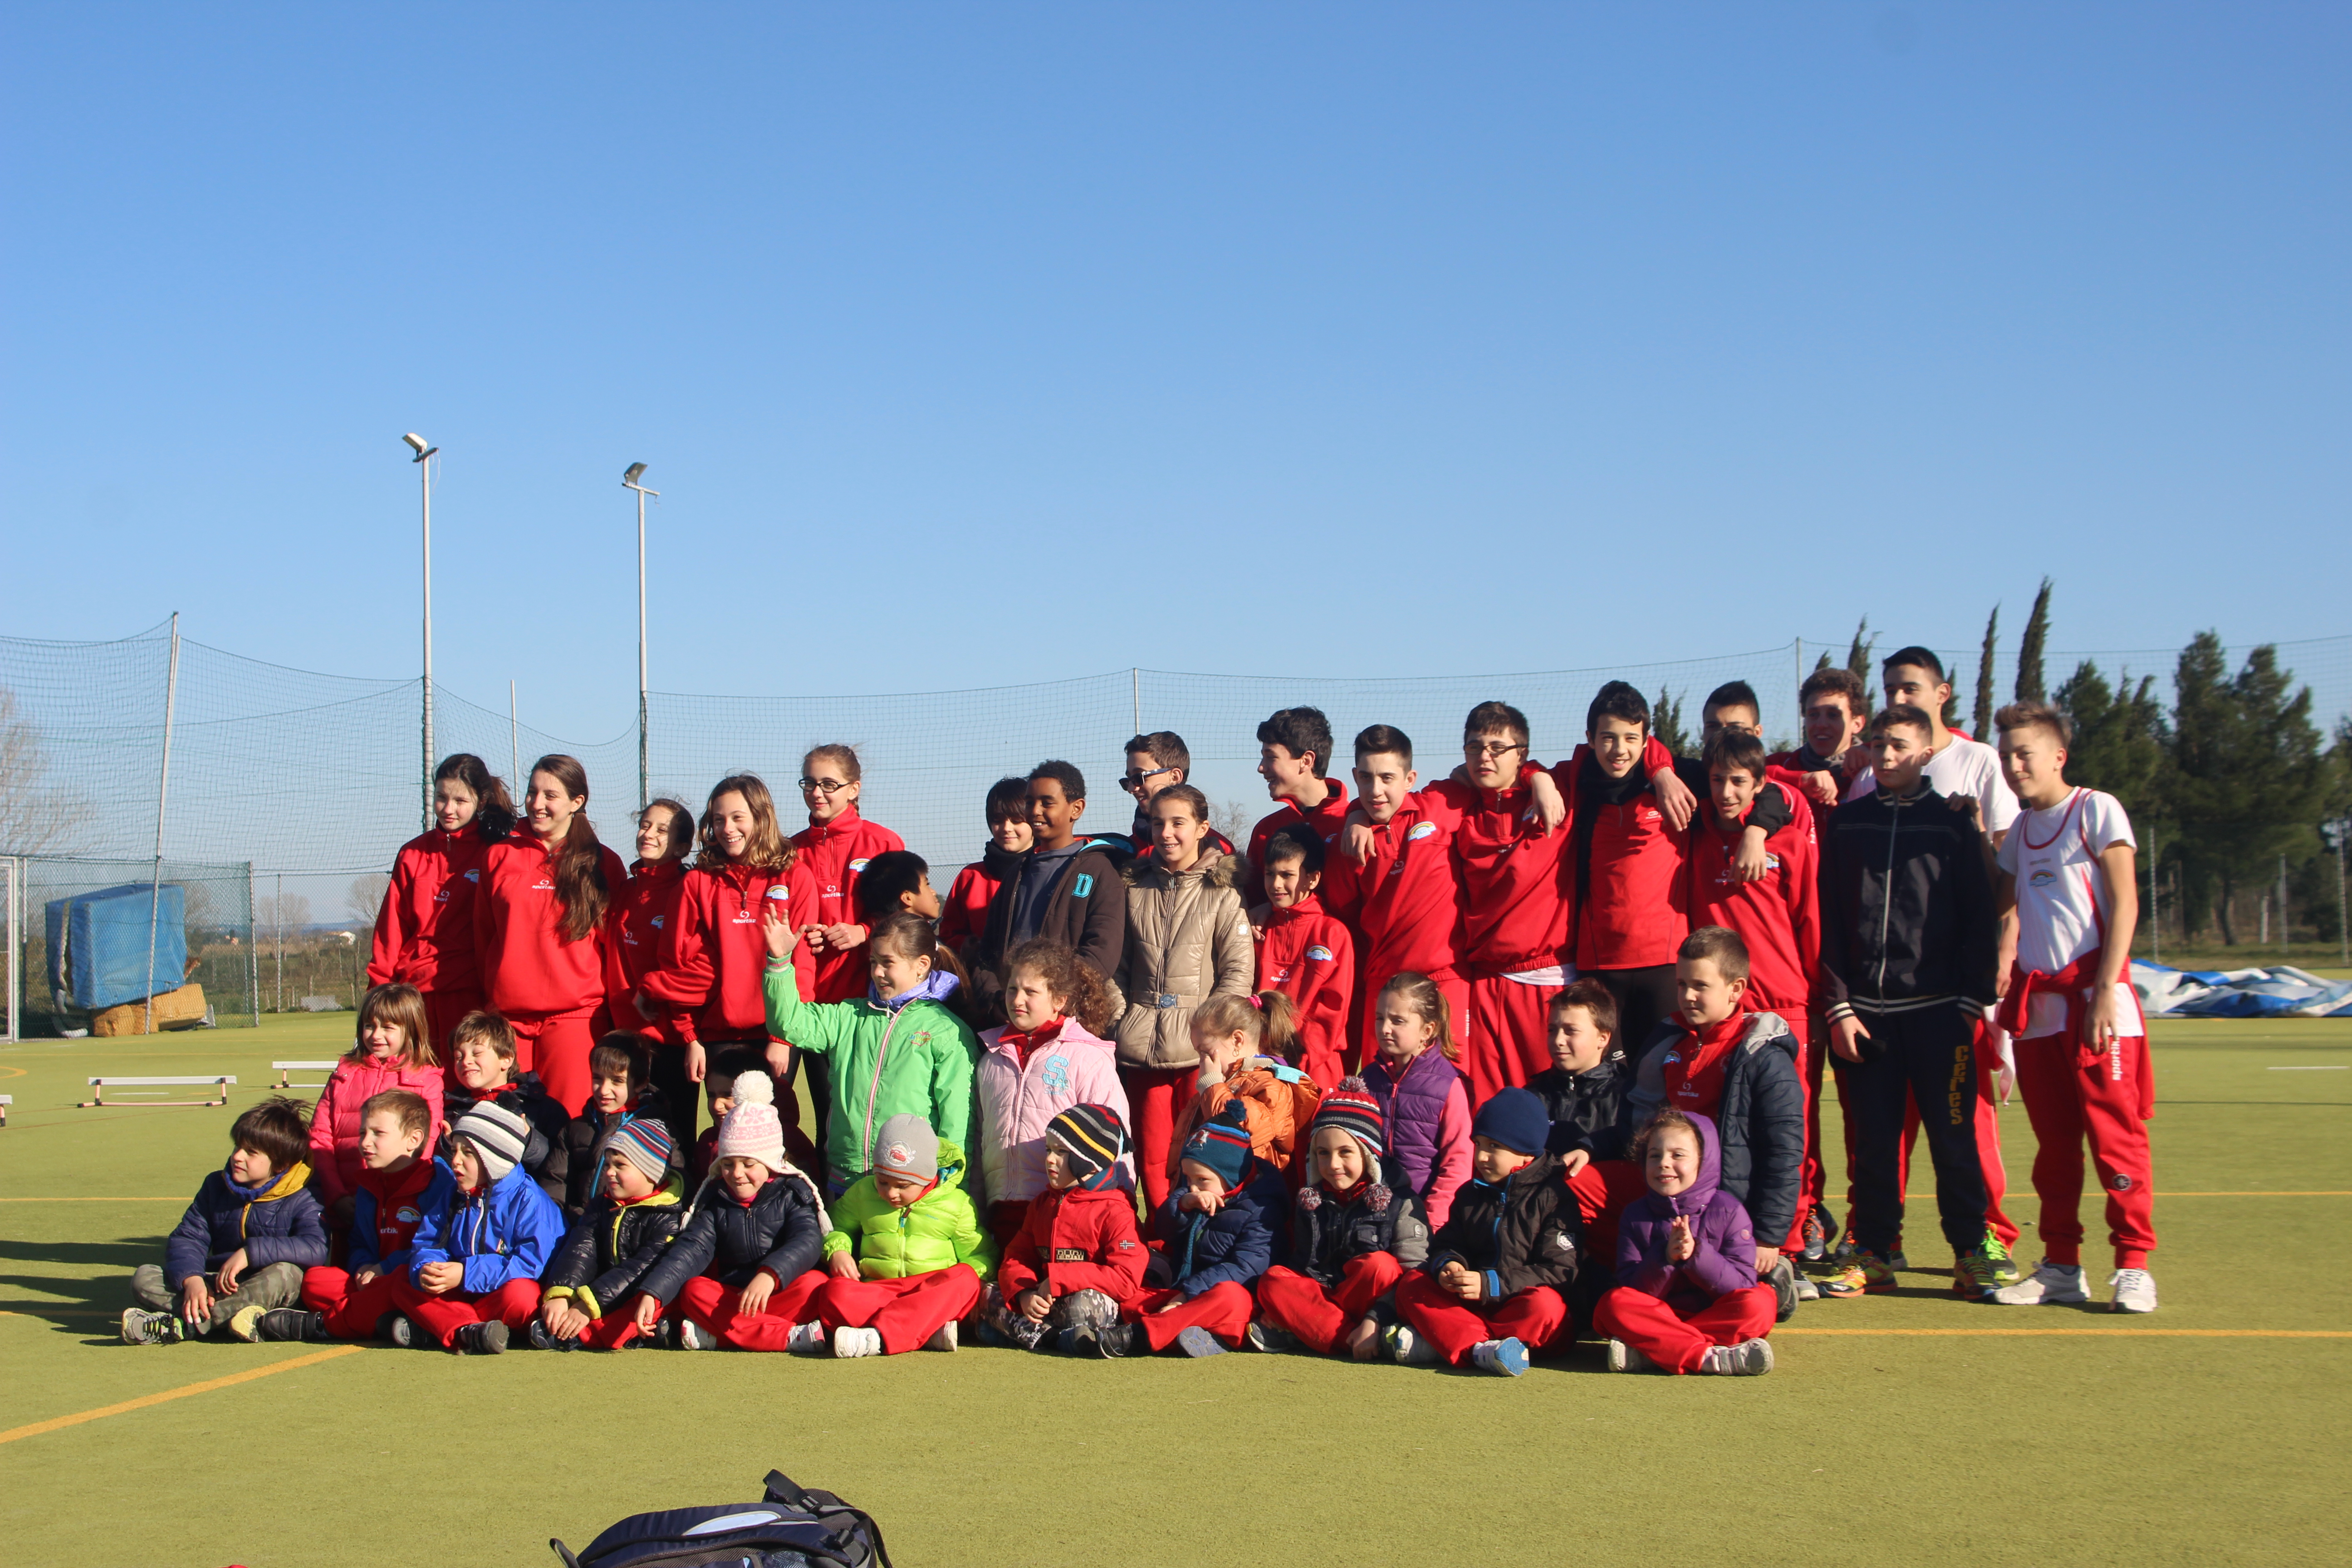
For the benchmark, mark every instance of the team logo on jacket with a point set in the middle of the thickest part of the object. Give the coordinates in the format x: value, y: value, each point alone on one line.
x: 781, y: 893
x: 543, y: 886
x: 1670, y: 1059
x: 656, y: 922
x: 1282, y: 975
x: 859, y: 866
x: 406, y: 1215
x: 1070, y: 1253
x: 1319, y: 953
x: 1421, y: 830
x: 2043, y: 877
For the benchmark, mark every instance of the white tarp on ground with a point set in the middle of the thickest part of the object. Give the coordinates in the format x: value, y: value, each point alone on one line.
x: 2279, y: 992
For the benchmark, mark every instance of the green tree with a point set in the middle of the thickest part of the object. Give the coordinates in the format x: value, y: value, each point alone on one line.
x: 2248, y: 782
x: 2030, y: 686
x: 1666, y: 724
x: 1857, y: 654
x: 1984, y: 677
x: 2119, y: 739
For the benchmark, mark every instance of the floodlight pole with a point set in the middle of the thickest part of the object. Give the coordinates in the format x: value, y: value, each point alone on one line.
x: 423, y: 461
x: 644, y: 785
x: 162, y: 797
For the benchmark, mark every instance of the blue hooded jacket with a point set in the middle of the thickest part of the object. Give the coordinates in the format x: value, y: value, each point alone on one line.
x: 508, y: 1230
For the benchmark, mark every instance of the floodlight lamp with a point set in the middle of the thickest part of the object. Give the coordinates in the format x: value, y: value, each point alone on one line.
x: 415, y: 442
x: 637, y: 471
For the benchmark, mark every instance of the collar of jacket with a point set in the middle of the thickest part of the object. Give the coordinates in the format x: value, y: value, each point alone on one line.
x: 289, y: 1181
x: 1214, y: 868
x: 1309, y: 904
x: 1000, y: 863
x: 669, y: 870
x: 390, y: 1187
x: 937, y: 987
x: 820, y: 831
x: 1917, y: 798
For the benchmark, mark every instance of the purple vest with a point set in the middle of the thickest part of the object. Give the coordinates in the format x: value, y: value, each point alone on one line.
x: 1412, y: 1108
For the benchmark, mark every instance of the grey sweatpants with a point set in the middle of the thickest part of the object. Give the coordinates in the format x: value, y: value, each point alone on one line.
x: 275, y: 1285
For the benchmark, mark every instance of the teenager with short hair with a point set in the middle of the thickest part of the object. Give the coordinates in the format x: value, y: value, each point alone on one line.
x: 1833, y: 705
x: 1306, y: 952
x: 1293, y: 747
x: 1069, y: 890
x: 966, y: 912
x: 540, y: 929
x: 253, y: 1228
x: 2066, y: 868
x: 1732, y: 708
x: 1156, y: 761
x: 424, y: 931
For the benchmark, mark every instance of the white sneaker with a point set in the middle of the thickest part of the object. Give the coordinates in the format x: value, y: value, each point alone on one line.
x: 1409, y: 1349
x: 2050, y: 1285
x: 1806, y: 1289
x: 1504, y: 1358
x: 850, y: 1343
x: 2134, y: 1290
x: 1624, y: 1357
x: 693, y: 1336
x: 943, y: 1339
x: 807, y: 1339
x: 1749, y: 1358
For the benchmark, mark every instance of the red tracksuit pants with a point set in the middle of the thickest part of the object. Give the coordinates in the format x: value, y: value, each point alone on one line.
x: 1323, y: 1315
x: 904, y: 1312
x: 1223, y: 1310
x: 711, y: 1305
x: 2104, y: 1101
x: 556, y: 1047
x: 351, y: 1310
x: 1153, y: 1097
x: 1508, y: 1039
x: 1531, y: 1316
x: 616, y: 1328
x: 514, y: 1303
x: 1677, y: 1338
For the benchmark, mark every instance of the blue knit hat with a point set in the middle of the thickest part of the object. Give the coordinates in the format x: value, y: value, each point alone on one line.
x: 1515, y: 1118
x: 1222, y: 1143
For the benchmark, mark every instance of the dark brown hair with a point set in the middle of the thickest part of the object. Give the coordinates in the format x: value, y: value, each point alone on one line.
x: 835, y: 752
x: 1087, y: 994
x: 1836, y: 681
x: 1668, y: 1118
x: 1736, y: 749
x: 2021, y: 715
x: 621, y: 1052
x: 1165, y: 747
x: 681, y: 826
x: 905, y: 931
x: 1594, y: 998
x: 494, y: 812
x: 579, y: 860
x: 1488, y: 718
x: 277, y: 1129
x: 769, y: 850
x: 483, y: 1025
x: 1299, y: 731
x: 1384, y: 740
x: 1909, y: 714
x: 401, y: 1004
x: 1720, y: 943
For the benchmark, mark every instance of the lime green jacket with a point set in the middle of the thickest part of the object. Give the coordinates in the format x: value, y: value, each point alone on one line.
x: 914, y: 1061
x: 937, y: 1230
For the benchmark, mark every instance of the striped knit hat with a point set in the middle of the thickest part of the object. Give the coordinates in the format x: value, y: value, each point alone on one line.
x: 1222, y: 1143
x: 645, y: 1144
x: 1351, y: 1109
x: 497, y: 1135
x: 1094, y: 1138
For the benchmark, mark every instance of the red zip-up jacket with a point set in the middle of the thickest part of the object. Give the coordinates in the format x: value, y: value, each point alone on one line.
x: 642, y: 916
x: 398, y: 1211
x: 1514, y: 904
x: 1076, y: 1240
x: 963, y: 913
x: 424, y: 932
x: 1637, y: 912
x: 1325, y: 822
x: 528, y: 969
x: 834, y: 854
x: 1778, y: 915
x: 710, y: 967
x: 1309, y: 955
x: 1406, y: 900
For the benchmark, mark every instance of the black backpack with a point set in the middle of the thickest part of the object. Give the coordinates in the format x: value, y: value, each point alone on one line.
x: 790, y: 1527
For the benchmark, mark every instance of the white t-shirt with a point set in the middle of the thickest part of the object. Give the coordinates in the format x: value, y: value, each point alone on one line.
x: 1968, y: 768
x: 2063, y: 905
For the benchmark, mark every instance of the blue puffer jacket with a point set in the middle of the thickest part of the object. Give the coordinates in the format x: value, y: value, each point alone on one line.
x: 1235, y: 1244
x: 506, y: 1231
x: 277, y: 1222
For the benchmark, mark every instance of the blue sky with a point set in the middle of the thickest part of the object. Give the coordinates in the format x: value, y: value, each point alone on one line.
x: 970, y: 343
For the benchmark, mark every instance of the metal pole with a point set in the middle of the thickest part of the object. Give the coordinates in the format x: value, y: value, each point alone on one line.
x: 2154, y: 912
x: 425, y: 465
x: 2284, y: 942
x: 645, y: 790
x: 2343, y: 933
x: 1801, y: 685
x: 514, y: 739
x: 162, y: 797
x: 16, y: 944
x: 1135, y: 685
x: 278, y: 923
x: 252, y: 953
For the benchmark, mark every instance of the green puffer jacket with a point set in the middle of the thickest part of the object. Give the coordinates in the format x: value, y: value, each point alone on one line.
x: 939, y: 1230
x: 915, y: 1060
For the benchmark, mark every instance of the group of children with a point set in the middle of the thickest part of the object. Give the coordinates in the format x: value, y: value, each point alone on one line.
x: 1453, y: 1072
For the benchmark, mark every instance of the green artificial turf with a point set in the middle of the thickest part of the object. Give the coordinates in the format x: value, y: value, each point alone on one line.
x: 2127, y: 1442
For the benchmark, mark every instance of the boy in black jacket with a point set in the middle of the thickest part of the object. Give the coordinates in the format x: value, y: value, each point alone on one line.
x: 1910, y: 946
x: 618, y: 1091
x: 482, y: 1066
x: 745, y: 1264
x: 1585, y: 1086
x: 613, y: 1246
x: 1489, y: 1290
x: 1068, y: 887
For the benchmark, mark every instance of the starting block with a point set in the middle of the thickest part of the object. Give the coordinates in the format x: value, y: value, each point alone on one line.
x: 286, y: 1071
x: 219, y: 1083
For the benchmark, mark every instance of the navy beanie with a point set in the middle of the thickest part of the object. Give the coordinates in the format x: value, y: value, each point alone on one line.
x: 1223, y: 1144
x: 1515, y: 1118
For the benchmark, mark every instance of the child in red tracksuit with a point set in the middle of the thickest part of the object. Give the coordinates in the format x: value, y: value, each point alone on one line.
x: 1687, y: 1299
x: 394, y: 1051
x: 645, y: 913
x: 1077, y: 1258
x: 1489, y: 1292
x: 1218, y: 1233
x: 424, y: 931
x: 1307, y: 953
x: 1354, y: 1231
x: 398, y: 1184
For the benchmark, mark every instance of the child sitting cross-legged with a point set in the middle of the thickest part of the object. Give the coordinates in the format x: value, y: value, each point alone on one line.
x: 1076, y: 1257
x: 619, y: 1068
x: 1218, y: 1228
x: 744, y: 1267
x: 398, y: 1182
x: 1687, y: 1299
x: 1354, y: 1231
x: 245, y: 1241
x: 906, y: 1254
x: 608, y: 1250
x: 1489, y: 1291
x: 474, y: 1264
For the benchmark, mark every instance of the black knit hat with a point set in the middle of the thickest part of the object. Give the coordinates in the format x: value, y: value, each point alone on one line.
x: 1096, y: 1140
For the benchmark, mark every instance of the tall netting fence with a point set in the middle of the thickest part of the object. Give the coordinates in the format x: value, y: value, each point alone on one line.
x: 315, y: 780
x: 199, y: 919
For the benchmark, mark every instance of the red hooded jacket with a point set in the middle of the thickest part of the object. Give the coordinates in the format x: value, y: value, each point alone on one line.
x: 642, y: 916
x: 710, y: 967
x: 1325, y: 822
x: 963, y: 913
x: 835, y: 852
x: 1076, y: 1240
x: 424, y: 932
x: 1406, y: 900
x: 1515, y: 906
x: 1778, y: 915
x: 1636, y: 910
x: 1309, y: 955
x: 528, y: 967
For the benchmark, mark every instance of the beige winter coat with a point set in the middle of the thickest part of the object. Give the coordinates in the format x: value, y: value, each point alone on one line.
x: 1188, y: 939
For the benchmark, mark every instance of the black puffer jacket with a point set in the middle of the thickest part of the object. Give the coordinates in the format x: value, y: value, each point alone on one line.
x: 582, y: 1161
x: 1907, y: 916
x: 610, y: 1248
x: 1584, y: 1107
x: 1760, y: 1119
x: 1524, y: 1232
x: 781, y: 1230
x: 1383, y: 1217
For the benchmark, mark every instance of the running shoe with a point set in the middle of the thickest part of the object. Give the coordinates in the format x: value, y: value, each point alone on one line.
x: 2134, y: 1290
x: 1749, y: 1358
x: 144, y: 1327
x: 2050, y: 1285
x: 1504, y: 1358
x: 1867, y: 1274
x: 2004, y: 1263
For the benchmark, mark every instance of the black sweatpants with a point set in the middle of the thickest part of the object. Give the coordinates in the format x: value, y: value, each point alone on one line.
x: 1928, y: 1056
x: 1645, y: 998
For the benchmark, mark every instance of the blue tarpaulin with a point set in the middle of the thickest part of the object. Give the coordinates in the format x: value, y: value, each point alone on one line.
x: 97, y: 944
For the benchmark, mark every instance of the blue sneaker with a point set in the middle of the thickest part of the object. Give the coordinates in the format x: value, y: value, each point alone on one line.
x: 1505, y: 1358
x: 1199, y: 1342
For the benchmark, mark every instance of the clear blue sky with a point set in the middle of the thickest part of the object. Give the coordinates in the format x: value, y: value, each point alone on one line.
x: 968, y: 342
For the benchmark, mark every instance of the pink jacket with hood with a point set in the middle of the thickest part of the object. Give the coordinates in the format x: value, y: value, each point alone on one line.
x: 1015, y: 1103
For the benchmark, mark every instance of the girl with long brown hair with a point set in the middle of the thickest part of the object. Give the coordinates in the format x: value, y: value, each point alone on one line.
x: 541, y: 929
x: 424, y: 932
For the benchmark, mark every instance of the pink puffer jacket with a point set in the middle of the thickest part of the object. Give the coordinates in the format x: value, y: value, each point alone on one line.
x: 1073, y: 1069
x: 335, y: 1125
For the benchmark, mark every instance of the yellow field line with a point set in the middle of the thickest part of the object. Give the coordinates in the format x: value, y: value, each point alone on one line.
x: 2104, y: 1333
x: 164, y: 1200
x: 143, y: 1401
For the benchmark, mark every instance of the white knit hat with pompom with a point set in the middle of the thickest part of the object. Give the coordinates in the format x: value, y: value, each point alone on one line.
x: 752, y: 1129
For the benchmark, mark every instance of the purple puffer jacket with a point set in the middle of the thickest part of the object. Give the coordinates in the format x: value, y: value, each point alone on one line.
x: 1725, y: 1260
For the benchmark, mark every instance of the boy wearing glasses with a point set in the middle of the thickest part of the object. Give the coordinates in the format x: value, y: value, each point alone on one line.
x: 1158, y: 762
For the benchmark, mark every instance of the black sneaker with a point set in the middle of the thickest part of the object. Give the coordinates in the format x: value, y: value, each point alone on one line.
x: 290, y: 1323
x: 479, y: 1339
x: 1115, y: 1341
x: 542, y: 1339
x: 1266, y: 1336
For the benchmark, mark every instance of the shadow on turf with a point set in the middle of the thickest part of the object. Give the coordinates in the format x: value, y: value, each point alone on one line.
x: 87, y: 1299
